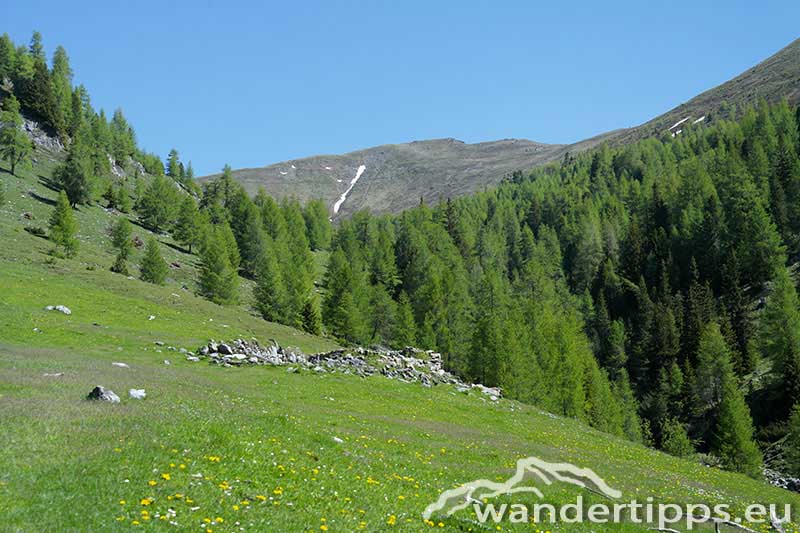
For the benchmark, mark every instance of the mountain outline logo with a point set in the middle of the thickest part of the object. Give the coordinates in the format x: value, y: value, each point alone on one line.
x: 454, y: 500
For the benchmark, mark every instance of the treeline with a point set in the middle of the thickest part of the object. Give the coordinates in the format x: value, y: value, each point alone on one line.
x: 647, y: 259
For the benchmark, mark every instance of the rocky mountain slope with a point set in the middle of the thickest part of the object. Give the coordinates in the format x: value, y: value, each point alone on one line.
x: 396, y: 176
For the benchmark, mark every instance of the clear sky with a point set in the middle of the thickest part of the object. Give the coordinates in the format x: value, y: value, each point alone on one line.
x: 253, y: 83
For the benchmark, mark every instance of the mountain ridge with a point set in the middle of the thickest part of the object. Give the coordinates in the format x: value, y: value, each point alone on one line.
x: 399, y: 176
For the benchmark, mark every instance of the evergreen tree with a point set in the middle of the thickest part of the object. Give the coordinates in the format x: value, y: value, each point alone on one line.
x: 312, y: 316
x: 159, y: 204
x: 188, y: 227
x: 733, y: 436
x: 63, y: 227
x: 780, y: 341
x: 269, y: 293
x: 218, y: 279
x: 121, y: 240
x: 15, y: 147
x: 173, y: 165
x: 153, y: 268
x: 318, y: 226
x: 76, y: 175
x: 405, y: 329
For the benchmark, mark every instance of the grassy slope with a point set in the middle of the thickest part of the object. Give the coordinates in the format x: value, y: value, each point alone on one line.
x: 68, y: 464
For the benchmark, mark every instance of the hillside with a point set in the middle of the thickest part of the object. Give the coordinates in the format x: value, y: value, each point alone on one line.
x: 253, y: 448
x: 397, y: 176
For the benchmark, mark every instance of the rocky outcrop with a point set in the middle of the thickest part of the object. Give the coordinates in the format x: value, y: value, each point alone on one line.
x: 40, y: 137
x: 409, y: 365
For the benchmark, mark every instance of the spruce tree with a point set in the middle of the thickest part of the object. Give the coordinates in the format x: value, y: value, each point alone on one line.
x: 153, y: 268
x: 269, y: 293
x: 318, y: 226
x: 159, y: 204
x: 15, y: 147
x: 674, y: 440
x: 63, y: 227
x: 188, y: 228
x: 312, y: 316
x: 218, y: 279
x: 405, y: 329
x: 723, y: 406
x: 76, y: 175
x: 121, y: 240
x: 780, y: 341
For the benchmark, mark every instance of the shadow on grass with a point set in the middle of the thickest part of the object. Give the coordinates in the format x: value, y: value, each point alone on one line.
x: 40, y: 198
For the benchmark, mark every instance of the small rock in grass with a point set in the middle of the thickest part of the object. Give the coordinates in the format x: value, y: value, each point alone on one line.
x: 60, y: 308
x: 53, y: 374
x: 103, y: 394
x: 137, y: 394
x: 193, y: 359
x: 338, y: 440
x: 121, y: 365
x: 159, y: 343
x: 151, y: 317
x: 166, y: 361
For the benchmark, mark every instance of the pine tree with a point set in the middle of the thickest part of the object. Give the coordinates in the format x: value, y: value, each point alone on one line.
x: 270, y: 293
x: 15, y: 146
x: 780, y: 340
x: 153, y: 268
x: 218, y: 279
x: 173, y: 165
x: 159, y: 204
x: 121, y: 240
x: 318, y: 226
x: 405, y: 329
x: 723, y: 406
x: 188, y: 229
x: 312, y: 316
x: 76, y: 175
x: 63, y: 227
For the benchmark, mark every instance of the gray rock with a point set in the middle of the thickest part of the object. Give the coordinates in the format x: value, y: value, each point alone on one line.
x: 224, y: 349
x: 193, y: 358
x: 121, y: 365
x: 103, y: 394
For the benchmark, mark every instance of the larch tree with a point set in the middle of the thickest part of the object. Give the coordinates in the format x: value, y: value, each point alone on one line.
x: 15, y: 147
x: 63, y: 227
x: 153, y: 268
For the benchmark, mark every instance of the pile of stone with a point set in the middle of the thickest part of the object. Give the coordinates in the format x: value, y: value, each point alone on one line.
x: 781, y: 480
x: 409, y: 365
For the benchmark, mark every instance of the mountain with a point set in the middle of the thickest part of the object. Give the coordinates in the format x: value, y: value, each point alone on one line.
x: 396, y: 176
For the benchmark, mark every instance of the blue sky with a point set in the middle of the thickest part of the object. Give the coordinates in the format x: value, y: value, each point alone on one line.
x: 253, y: 83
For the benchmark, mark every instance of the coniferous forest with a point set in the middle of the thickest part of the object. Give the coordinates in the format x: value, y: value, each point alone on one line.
x: 645, y: 289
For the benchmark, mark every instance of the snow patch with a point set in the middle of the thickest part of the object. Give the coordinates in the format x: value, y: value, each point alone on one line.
x: 679, y: 123
x: 353, y: 182
x: 699, y: 119
x: 283, y: 173
x: 294, y: 166
x: 328, y: 168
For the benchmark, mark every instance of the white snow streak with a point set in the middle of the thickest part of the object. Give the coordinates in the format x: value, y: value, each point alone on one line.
x: 343, y: 197
x: 679, y: 123
x: 699, y: 119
